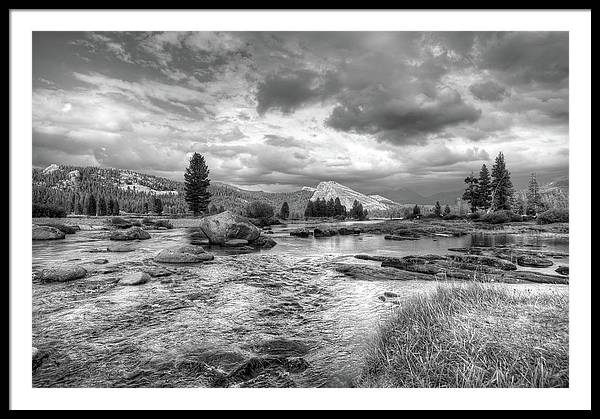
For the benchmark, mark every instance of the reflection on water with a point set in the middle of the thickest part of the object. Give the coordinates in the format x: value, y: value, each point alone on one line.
x: 100, y: 334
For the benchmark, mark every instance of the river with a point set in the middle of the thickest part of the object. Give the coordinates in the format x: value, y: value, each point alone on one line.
x: 98, y: 334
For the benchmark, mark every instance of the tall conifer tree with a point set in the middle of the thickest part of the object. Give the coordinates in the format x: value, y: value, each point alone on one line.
x: 196, y: 178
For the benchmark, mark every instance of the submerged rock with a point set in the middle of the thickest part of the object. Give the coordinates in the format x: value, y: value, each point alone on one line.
x: 235, y: 243
x: 399, y: 238
x: 61, y: 274
x: 37, y: 357
x: 134, y: 278
x: 183, y: 254
x: 254, y: 366
x: 225, y: 226
x: 100, y: 261
x: 131, y: 233
x: 121, y: 248
x: 533, y: 261
x: 484, y: 260
x: 563, y: 270
x: 281, y: 347
x: 46, y: 233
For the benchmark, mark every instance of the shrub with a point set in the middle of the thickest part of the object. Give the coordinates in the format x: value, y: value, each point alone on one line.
x: 257, y: 209
x: 500, y: 217
x: 46, y: 210
x: 452, y: 217
x: 432, y: 215
x: 553, y: 216
x: 474, y: 216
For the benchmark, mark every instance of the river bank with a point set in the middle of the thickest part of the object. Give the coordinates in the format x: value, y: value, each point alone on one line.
x: 473, y: 336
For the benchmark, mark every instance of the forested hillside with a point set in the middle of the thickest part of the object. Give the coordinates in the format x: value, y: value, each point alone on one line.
x: 69, y: 187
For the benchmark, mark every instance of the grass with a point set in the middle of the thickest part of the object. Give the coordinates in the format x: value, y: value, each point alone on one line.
x: 477, y: 335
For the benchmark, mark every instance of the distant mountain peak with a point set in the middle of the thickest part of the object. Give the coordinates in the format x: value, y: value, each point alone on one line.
x: 50, y: 169
x: 331, y: 189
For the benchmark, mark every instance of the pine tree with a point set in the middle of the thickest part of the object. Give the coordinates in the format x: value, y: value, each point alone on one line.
x: 470, y: 195
x: 285, y: 211
x: 416, y: 211
x: 357, y: 211
x: 502, y: 188
x: 484, y: 189
x: 213, y: 209
x: 534, y: 202
x: 196, y: 184
x: 101, y: 206
x: 116, y: 209
x: 146, y: 208
x: 110, y: 206
x: 158, y: 206
x: 310, y: 209
x: 438, y: 209
x: 338, y: 207
x: 330, y: 211
x: 447, y: 210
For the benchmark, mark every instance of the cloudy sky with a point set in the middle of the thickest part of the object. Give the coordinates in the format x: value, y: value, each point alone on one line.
x: 377, y: 111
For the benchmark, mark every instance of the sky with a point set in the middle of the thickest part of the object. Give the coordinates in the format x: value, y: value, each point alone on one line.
x: 275, y: 111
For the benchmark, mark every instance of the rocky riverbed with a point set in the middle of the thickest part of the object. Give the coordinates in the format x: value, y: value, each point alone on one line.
x: 167, y: 312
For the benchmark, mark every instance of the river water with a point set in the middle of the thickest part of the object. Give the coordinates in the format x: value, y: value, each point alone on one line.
x: 99, y: 334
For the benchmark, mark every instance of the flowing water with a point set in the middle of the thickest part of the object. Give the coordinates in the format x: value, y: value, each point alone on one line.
x: 99, y: 334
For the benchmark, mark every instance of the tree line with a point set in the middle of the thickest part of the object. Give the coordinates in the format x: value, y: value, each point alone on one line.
x: 495, y: 192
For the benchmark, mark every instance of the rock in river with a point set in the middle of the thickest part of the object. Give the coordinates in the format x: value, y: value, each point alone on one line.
x: 61, y: 273
x: 46, y: 233
x: 264, y: 242
x: 225, y: 226
x: 65, y: 228
x: 236, y: 243
x: 121, y: 248
x: 131, y: 233
x: 135, y: 278
x: 563, y: 270
x: 301, y: 232
x: 183, y: 254
x: 533, y: 261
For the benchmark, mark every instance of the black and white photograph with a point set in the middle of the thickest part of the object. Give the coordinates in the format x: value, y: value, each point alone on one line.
x: 302, y: 209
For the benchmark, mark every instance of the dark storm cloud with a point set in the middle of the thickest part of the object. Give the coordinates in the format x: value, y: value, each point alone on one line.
x: 488, y: 90
x: 400, y: 121
x: 525, y: 57
x: 289, y: 90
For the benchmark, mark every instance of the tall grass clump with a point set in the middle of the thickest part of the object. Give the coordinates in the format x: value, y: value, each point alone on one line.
x: 553, y: 216
x: 473, y: 336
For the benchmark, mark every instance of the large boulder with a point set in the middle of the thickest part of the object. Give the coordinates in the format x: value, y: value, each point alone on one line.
x: 157, y: 224
x: 225, y: 226
x: 135, y: 278
x: 46, y: 233
x: 301, y: 232
x: 61, y: 274
x: 65, y: 228
x: 183, y: 254
x: 264, y: 242
x: 120, y: 222
x: 131, y: 233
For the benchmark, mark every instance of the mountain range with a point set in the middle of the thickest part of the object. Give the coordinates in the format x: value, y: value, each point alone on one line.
x: 63, y: 185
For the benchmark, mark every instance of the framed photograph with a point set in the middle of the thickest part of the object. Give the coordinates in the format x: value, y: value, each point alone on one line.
x: 300, y: 210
